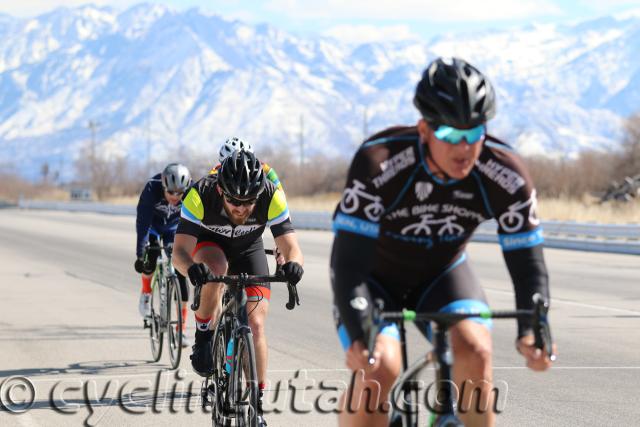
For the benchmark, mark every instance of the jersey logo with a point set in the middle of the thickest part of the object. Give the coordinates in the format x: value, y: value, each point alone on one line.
x: 359, y: 303
x: 351, y: 201
x: 243, y: 230
x: 167, y: 209
x: 394, y: 165
x: 512, y: 220
x: 423, y: 190
x: 447, y: 226
x: 457, y: 194
x: 506, y: 178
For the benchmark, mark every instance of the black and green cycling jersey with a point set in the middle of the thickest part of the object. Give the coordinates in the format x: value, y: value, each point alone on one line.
x: 203, y: 215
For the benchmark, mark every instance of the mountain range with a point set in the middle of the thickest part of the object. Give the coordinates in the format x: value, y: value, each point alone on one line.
x: 155, y: 81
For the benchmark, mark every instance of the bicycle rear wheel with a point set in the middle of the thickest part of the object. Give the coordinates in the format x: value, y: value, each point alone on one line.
x: 174, y: 322
x: 156, y: 332
x: 245, y: 381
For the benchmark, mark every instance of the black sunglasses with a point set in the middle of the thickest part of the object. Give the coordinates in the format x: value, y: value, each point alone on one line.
x: 175, y: 193
x: 238, y: 202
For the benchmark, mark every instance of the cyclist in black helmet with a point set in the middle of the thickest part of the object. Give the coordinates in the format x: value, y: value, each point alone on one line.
x: 158, y: 213
x: 222, y: 221
x: 413, y: 197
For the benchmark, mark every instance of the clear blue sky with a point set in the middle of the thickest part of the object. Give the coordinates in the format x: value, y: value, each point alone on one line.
x: 372, y: 19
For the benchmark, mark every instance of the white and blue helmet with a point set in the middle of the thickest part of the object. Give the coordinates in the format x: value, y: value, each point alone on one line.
x: 233, y: 144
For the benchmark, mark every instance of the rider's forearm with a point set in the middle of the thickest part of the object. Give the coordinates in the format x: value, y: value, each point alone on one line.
x: 351, y: 262
x: 182, y: 259
x: 289, y: 248
x: 529, y: 275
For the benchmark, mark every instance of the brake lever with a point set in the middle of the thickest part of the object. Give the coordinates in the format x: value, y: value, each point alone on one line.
x: 373, y: 323
x: 293, y: 297
x: 541, y: 328
x: 196, y: 298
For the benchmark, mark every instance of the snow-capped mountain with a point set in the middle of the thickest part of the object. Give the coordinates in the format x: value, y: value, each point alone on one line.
x: 190, y: 79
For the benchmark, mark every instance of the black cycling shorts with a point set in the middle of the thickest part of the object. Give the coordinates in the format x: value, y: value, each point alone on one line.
x: 251, y: 260
x: 456, y: 289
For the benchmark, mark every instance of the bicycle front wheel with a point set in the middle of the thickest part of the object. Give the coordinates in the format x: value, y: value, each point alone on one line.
x: 245, y: 381
x: 174, y: 322
x: 156, y: 331
x: 219, y: 379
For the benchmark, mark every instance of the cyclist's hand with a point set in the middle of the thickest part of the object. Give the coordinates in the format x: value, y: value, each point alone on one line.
x: 537, y: 359
x: 358, y: 357
x: 293, y: 272
x: 139, y: 265
x: 199, y: 274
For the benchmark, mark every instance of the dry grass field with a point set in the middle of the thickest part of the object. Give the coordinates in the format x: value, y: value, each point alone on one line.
x: 584, y: 210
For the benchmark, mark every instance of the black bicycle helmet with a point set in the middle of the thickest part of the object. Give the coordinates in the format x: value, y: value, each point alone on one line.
x: 453, y: 92
x: 241, y: 175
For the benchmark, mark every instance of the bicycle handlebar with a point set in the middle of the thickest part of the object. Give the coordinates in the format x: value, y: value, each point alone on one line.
x: 244, y: 279
x: 541, y: 327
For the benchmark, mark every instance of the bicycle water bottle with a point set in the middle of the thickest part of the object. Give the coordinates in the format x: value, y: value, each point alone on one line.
x: 227, y: 364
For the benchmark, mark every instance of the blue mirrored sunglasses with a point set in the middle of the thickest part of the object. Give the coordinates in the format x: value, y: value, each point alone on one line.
x: 453, y: 135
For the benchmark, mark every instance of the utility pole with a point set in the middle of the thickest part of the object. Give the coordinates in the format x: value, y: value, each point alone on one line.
x: 301, y: 141
x: 148, y: 146
x: 92, y: 152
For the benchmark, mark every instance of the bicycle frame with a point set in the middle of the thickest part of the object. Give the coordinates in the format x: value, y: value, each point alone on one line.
x: 234, y: 324
x: 165, y: 280
x: 445, y: 414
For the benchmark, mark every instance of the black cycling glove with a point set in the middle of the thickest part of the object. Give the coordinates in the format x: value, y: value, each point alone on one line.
x: 199, y: 274
x: 139, y: 265
x: 143, y: 267
x: 293, y: 272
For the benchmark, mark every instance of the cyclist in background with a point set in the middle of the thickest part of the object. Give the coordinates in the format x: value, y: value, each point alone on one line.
x: 413, y: 197
x: 233, y: 144
x: 222, y: 221
x: 158, y: 214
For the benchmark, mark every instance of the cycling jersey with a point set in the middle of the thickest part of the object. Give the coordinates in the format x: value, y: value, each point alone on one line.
x: 269, y: 172
x: 155, y: 212
x: 203, y: 215
x: 421, y: 224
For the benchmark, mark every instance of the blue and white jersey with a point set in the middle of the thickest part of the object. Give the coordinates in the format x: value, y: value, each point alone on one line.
x: 155, y: 214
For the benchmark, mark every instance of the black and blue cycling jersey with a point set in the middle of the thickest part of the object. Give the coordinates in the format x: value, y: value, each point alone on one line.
x: 155, y: 215
x: 402, y: 230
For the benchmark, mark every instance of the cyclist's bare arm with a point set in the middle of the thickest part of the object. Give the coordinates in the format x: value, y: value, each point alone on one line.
x: 183, y: 247
x: 289, y: 248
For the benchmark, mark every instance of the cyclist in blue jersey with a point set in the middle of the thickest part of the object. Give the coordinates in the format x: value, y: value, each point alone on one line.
x: 158, y: 214
x: 413, y: 197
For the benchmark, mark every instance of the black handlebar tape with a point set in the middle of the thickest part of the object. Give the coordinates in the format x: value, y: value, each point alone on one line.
x: 293, y: 297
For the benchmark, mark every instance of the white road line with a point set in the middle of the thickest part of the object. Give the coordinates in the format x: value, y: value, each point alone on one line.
x: 171, y: 379
x: 574, y: 303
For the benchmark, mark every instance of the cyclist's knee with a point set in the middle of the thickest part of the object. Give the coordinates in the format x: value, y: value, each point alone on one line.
x: 387, y: 372
x: 257, y: 324
x: 472, y: 341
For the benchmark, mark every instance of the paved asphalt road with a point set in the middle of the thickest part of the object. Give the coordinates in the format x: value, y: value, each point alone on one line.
x: 70, y: 332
